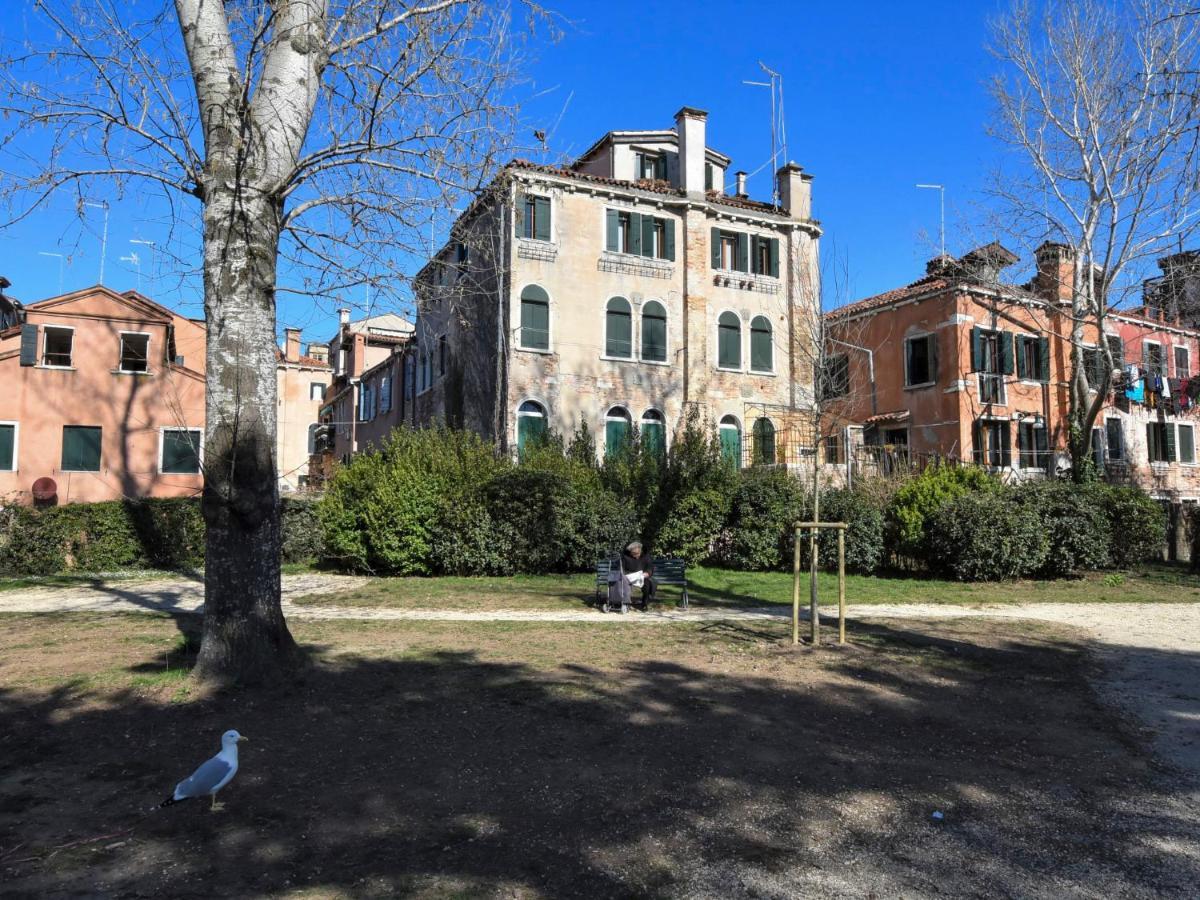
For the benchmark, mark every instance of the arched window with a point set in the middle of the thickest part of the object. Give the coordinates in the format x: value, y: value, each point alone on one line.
x: 729, y: 341
x: 762, y: 354
x: 535, y: 318
x: 731, y: 441
x: 531, y: 426
x: 617, y: 425
x: 654, y: 432
x: 764, y: 442
x: 654, y: 332
x: 618, y: 329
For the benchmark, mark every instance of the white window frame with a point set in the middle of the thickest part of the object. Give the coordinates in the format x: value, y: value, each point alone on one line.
x: 638, y: 329
x: 121, y: 370
x: 743, y: 339
x: 920, y: 336
x: 46, y: 329
x: 317, y: 384
x: 1124, y: 445
x: 1166, y: 362
x: 16, y: 443
x: 1179, y: 426
x: 199, y: 455
x: 999, y: 375
x: 1175, y: 348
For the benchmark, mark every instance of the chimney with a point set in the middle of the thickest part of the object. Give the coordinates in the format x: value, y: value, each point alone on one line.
x: 291, y: 344
x: 689, y: 127
x: 319, y: 352
x: 1055, y: 271
x: 741, y: 183
x: 795, y: 191
x: 343, y: 316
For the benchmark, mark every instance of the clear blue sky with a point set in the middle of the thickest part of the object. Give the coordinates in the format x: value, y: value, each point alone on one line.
x: 879, y: 96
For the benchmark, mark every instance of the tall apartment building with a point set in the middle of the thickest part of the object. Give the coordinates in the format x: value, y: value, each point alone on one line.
x: 622, y: 290
x: 962, y: 364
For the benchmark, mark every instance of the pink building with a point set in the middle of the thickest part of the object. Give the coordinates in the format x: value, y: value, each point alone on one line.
x: 103, y: 395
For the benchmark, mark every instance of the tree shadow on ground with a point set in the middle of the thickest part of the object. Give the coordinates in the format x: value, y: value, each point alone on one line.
x: 447, y: 772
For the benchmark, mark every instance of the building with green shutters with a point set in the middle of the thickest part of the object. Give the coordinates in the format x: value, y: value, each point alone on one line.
x: 619, y: 291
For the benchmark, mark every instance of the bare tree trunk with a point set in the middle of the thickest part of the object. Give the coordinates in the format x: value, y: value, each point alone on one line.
x: 245, y: 637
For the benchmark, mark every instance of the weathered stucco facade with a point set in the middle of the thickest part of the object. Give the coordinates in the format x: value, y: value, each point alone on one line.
x: 585, y: 298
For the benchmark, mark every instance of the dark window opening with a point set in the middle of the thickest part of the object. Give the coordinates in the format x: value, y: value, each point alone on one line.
x: 57, y: 348
x: 135, y: 350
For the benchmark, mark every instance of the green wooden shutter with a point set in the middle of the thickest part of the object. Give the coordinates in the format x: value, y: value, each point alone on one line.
x: 654, y: 438
x: 1043, y: 359
x: 8, y: 434
x: 729, y: 342
x: 29, y: 338
x: 1006, y: 353
x: 760, y: 345
x: 635, y: 234
x: 541, y: 218
x: 654, y: 332
x: 612, y: 228
x: 616, y: 437
x: 976, y: 349
x: 530, y: 432
x: 1168, y: 432
x: 1024, y: 450
x: 708, y: 176
x: 1022, y: 361
x: 1006, y: 437
x: 773, y: 245
x: 619, y: 330
x: 519, y: 216
x: 716, y: 248
x: 754, y: 240
x: 741, y: 256
x: 647, y: 229
x: 731, y: 446
x: 80, y: 449
x: 669, y: 239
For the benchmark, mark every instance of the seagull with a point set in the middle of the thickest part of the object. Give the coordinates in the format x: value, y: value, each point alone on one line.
x: 212, y: 776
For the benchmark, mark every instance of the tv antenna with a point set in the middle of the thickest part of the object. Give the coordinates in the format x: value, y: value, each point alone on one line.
x: 101, y: 204
x: 61, y: 259
x: 941, y: 189
x: 137, y: 264
x: 778, y: 127
x: 153, y: 259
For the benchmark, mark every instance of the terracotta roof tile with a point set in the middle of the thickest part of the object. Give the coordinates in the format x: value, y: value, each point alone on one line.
x: 928, y: 285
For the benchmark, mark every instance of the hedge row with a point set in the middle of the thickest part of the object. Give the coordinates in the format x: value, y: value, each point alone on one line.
x: 129, y: 534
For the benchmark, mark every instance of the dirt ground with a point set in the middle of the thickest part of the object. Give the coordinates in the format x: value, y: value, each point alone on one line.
x: 443, y: 759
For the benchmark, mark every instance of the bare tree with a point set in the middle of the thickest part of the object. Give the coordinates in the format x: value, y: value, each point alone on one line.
x: 1099, y: 100
x: 317, y: 137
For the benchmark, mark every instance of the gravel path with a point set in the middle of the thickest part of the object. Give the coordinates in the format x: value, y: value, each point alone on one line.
x: 1150, y: 653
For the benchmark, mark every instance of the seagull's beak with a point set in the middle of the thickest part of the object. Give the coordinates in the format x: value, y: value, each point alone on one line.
x: 242, y: 737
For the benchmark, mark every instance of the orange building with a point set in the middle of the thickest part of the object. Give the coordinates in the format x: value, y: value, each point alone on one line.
x: 102, y: 394
x: 962, y: 365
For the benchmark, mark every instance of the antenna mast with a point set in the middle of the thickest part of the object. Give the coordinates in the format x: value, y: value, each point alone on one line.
x: 778, y: 128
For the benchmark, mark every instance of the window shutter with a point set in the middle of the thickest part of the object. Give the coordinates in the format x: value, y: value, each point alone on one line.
x: 933, y: 357
x: 773, y: 249
x: 1117, y: 347
x: 1168, y: 431
x: 977, y: 442
x: 541, y: 218
x: 647, y: 229
x: 1023, y: 448
x: 976, y: 348
x: 612, y: 223
x: 1006, y: 437
x: 635, y: 234
x: 754, y: 244
x: 7, y: 439
x: 669, y: 239
x: 519, y: 216
x: 716, y: 248
x: 1006, y: 352
x: 1022, y: 361
x: 743, y: 252
x: 1043, y: 344
x: 29, y: 337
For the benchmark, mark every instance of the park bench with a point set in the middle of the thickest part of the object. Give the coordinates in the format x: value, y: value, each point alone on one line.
x: 668, y: 571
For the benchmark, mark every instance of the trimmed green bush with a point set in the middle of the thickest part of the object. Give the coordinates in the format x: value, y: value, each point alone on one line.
x: 766, y: 506
x: 864, y: 532
x: 692, y: 526
x: 919, y: 499
x: 300, y: 524
x: 1137, y: 522
x: 1077, y: 531
x: 986, y: 536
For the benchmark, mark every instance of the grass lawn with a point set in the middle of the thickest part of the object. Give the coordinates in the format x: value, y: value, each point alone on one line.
x: 722, y: 587
x: 532, y: 760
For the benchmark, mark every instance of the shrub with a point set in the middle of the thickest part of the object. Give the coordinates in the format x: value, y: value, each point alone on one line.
x: 1137, y: 523
x: 1077, y: 531
x: 468, y: 542
x: 301, y: 534
x: 692, y: 526
x: 35, y: 543
x: 920, y: 498
x: 864, y: 534
x: 767, y: 504
x: 985, y: 536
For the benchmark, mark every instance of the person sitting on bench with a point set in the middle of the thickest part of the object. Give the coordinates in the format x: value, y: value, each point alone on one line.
x: 640, y: 566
